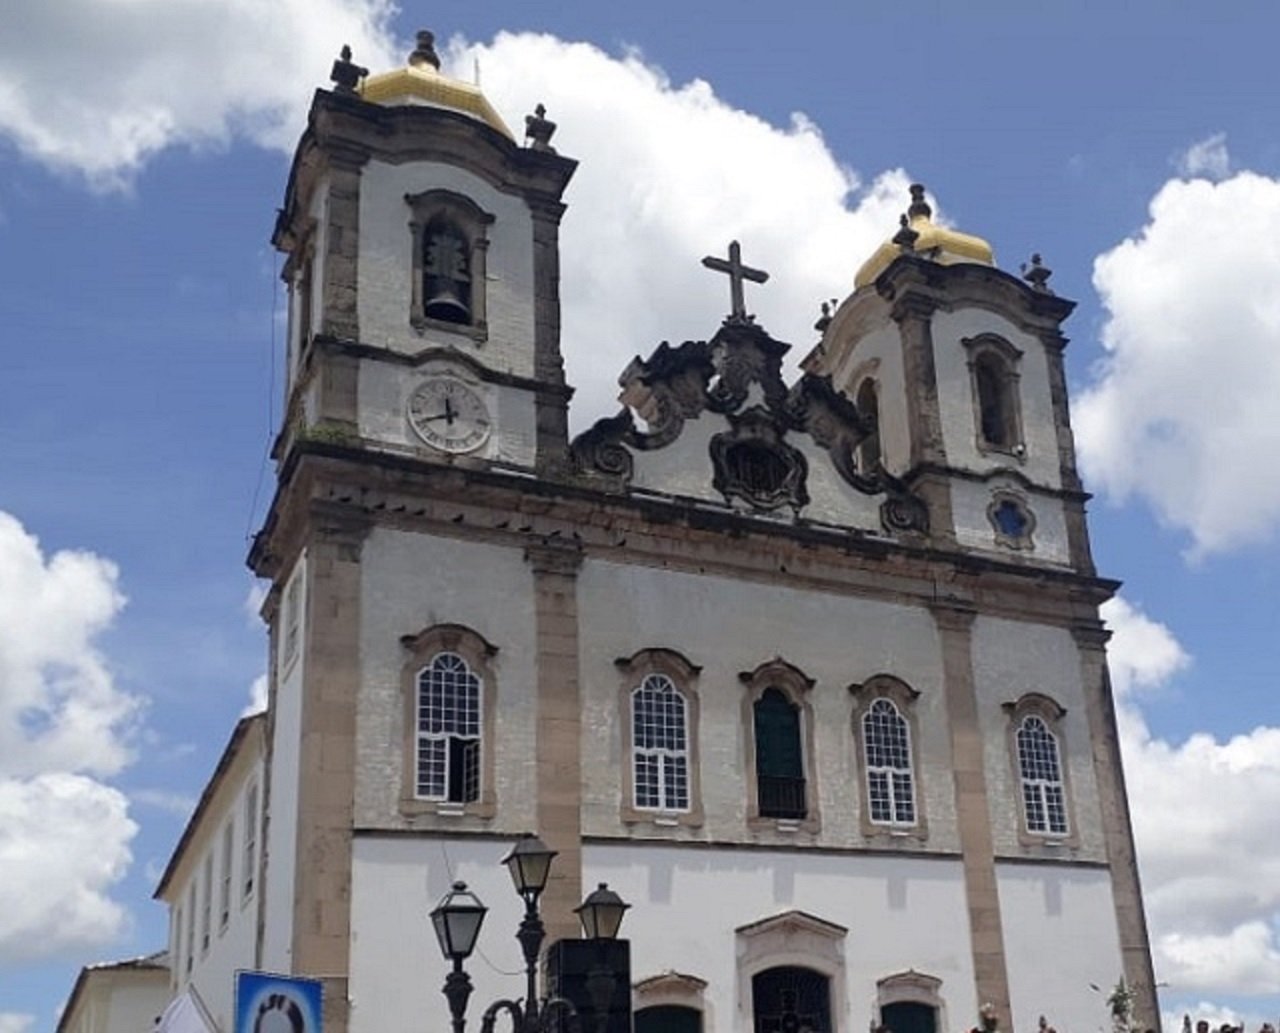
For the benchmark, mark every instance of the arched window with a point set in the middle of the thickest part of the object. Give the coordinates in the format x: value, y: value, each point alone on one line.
x: 778, y: 721
x: 886, y: 741
x: 791, y: 999
x: 450, y: 256
x: 867, y: 402
x: 993, y: 368
x: 780, y: 783
x: 994, y: 407
x: 660, y: 745
x: 1044, y: 800
x: 449, y: 701
x: 448, y: 726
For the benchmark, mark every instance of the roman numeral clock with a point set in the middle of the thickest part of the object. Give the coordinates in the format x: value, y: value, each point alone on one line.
x: 448, y: 415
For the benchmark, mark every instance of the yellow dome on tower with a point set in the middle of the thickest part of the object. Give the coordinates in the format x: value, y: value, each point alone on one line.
x: 421, y: 82
x: 921, y: 235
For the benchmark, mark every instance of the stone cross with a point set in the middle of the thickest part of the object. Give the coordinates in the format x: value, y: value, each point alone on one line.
x: 737, y: 273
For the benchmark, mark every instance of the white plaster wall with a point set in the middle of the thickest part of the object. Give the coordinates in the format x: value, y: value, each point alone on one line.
x: 684, y: 468
x: 280, y: 839
x: 727, y: 627
x: 969, y: 504
x: 411, y: 582
x: 879, y: 354
x: 234, y: 946
x: 1060, y: 936
x: 386, y: 265
x: 956, y: 402
x: 384, y: 391
x: 1010, y: 659
x: 396, y: 966
x: 900, y: 912
x: 135, y: 1004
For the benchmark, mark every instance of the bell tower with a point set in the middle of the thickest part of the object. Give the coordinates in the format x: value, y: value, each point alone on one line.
x: 960, y: 366
x: 423, y: 274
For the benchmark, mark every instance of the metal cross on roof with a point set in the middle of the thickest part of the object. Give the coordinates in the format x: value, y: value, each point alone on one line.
x: 737, y: 272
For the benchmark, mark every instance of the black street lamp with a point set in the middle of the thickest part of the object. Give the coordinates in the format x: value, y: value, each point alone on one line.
x: 457, y: 920
x: 601, y: 917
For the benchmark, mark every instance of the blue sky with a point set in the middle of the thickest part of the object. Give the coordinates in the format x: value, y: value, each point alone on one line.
x: 143, y: 151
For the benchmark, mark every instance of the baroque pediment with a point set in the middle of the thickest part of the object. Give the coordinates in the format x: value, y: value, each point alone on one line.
x: 763, y: 435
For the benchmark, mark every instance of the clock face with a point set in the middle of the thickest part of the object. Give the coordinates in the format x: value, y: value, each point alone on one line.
x: 449, y: 415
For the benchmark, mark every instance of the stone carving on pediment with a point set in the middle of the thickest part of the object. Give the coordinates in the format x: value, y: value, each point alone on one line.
x: 753, y: 463
x: 601, y: 448
x: 744, y: 355
x: 667, y: 389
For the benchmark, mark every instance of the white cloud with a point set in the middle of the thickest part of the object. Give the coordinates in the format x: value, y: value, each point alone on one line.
x: 63, y: 835
x: 257, y: 697
x: 1180, y: 411
x: 669, y: 173
x: 253, y: 601
x: 63, y: 844
x: 59, y: 709
x: 1207, y: 158
x: 180, y: 804
x: 1203, y: 815
x: 97, y: 87
x: 12, y: 1022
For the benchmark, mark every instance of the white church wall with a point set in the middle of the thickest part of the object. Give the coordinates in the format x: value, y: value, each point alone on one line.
x: 396, y: 967
x: 727, y: 627
x: 900, y: 913
x: 1066, y: 914
x: 281, y: 836
x: 878, y: 354
x: 970, y: 502
x: 411, y: 582
x: 1012, y: 658
x: 386, y: 265
x: 384, y: 392
x: 956, y: 403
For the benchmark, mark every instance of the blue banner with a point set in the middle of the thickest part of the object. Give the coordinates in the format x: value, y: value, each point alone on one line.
x: 266, y: 1003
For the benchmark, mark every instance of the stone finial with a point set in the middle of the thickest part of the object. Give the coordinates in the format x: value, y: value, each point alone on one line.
x: 919, y: 206
x: 538, y: 129
x: 824, y: 321
x: 425, y: 52
x: 1037, y: 274
x: 345, y: 75
x: 906, y: 237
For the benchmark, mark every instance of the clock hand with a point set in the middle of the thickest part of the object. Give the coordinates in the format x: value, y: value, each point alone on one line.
x: 450, y: 413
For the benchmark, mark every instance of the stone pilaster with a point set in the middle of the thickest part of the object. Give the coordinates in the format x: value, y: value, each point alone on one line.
x: 326, y: 786
x: 558, y: 767
x: 339, y: 308
x: 914, y: 315
x: 973, y: 815
x: 552, y: 413
x: 1117, y: 830
x: 1077, y: 526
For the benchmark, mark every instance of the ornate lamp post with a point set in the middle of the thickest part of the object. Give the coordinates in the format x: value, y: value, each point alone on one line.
x: 457, y: 920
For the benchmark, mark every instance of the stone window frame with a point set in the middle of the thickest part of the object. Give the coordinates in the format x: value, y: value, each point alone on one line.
x: 1052, y: 713
x: 989, y: 347
x: 683, y: 673
x: 473, y: 222
x: 792, y: 938
x: 795, y: 685
x: 291, y: 613
x: 903, y: 697
x: 250, y: 845
x: 912, y: 987
x: 672, y: 989
x: 1025, y: 541
x: 478, y: 653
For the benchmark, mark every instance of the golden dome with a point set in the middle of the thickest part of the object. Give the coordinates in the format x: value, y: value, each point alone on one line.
x: 930, y: 241
x: 421, y: 82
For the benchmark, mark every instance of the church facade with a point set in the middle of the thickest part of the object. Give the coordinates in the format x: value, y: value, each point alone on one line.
x: 808, y: 670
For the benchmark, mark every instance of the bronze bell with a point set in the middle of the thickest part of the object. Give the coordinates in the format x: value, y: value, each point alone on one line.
x: 445, y: 301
